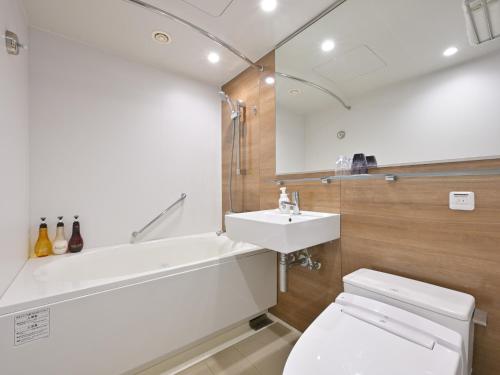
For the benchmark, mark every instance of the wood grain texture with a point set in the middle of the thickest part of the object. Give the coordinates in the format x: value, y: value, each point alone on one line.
x: 404, y: 227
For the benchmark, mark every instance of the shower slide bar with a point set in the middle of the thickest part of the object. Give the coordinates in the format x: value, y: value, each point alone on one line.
x: 163, y: 213
x: 390, y: 176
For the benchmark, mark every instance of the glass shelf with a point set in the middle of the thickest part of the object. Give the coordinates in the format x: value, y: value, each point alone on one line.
x: 390, y: 177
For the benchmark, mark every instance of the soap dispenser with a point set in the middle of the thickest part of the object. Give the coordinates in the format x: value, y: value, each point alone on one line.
x: 283, y: 198
x: 60, y: 242
x: 75, y: 243
x: 43, y: 246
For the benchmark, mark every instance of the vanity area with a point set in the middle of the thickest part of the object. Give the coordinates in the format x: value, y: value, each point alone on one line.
x: 428, y: 118
x: 289, y: 234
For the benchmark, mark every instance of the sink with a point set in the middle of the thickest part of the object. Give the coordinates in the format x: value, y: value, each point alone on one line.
x: 284, y: 233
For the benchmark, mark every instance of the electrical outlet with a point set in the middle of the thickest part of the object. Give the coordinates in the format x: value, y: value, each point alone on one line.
x: 462, y: 200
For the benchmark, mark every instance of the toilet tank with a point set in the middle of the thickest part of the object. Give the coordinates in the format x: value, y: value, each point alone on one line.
x: 447, y: 307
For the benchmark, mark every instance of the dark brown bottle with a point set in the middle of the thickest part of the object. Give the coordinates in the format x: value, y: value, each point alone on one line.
x: 75, y: 243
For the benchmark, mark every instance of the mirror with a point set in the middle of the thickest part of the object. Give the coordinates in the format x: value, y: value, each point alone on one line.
x: 421, y: 86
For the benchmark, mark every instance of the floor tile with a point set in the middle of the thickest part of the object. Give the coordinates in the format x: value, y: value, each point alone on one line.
x: 268, y: 350
x: 230, y: 362
x: 198, y: 369
x: 264, y: 353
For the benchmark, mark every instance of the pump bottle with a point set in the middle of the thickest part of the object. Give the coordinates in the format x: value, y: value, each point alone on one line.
x: 75, y: 243
x: 60, y: 242
x: 43, y: 246
x: 283, y: 198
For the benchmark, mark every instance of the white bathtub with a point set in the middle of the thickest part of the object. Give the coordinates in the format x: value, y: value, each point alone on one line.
x: 109, y: 310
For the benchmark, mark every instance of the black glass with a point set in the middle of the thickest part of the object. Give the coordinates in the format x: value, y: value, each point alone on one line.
x: 359, y: 164
x: 371, y: 161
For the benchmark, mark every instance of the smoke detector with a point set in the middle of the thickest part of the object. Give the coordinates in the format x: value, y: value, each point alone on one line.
x: 161, y: 37
x: 294, y: 92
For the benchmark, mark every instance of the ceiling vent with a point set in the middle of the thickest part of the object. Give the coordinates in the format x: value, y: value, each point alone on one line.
x: 161, y: 37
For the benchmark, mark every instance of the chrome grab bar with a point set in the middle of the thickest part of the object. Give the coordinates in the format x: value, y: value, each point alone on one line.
x: 139, y: 232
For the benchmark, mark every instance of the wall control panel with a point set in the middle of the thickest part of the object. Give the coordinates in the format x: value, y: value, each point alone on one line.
x: 462, y: 200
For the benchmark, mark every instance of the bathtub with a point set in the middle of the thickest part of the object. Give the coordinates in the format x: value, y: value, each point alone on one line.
x: 110, y: 310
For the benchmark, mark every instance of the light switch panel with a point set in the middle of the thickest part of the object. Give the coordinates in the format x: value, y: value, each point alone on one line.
x: 462, y: 200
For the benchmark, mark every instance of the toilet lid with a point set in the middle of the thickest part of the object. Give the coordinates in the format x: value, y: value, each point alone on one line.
x: 339, y: 343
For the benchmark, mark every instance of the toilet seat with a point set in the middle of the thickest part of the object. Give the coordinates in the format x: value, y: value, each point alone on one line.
x: 359, y: 336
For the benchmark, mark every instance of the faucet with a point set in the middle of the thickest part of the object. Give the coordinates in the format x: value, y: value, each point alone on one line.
x: 294, y: 205
x: 295, y: 200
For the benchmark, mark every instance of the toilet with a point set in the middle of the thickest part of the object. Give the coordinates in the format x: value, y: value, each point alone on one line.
x: 388, y: 325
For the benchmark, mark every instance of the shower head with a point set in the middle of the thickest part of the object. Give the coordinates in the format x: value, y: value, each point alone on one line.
x: 225, y: 98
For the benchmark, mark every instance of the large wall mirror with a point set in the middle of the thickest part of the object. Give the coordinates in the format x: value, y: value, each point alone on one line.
x: 408, y: 81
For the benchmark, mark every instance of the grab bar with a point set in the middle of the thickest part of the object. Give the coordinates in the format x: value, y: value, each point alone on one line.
x: 139, y: 232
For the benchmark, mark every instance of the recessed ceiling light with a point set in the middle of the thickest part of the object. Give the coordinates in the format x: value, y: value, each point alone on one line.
x: 450, y: 51
x: 213, y: 57
x: 161, y: 37
x: 327, y: 45
x: 268, y: 5
x: 294, y: 92
x: 269, y: 80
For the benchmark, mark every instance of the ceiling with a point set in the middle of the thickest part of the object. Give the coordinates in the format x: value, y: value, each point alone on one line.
x: 377, y: 43
x: 125, y: 29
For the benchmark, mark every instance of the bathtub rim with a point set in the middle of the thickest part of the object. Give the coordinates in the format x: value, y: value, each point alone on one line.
x: 21, y: 305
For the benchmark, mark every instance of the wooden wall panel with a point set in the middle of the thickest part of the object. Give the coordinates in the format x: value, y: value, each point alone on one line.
x: 310, y: 292
x: 246, y: 186
x: 406, y: 228
x: 402, y: 227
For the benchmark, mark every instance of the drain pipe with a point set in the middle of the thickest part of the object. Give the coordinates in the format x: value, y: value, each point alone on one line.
x: 282, y: 273
x: 300, y: 258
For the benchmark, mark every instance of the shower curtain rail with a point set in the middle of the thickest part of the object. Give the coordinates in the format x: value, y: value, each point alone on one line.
x: 389, y: 176
x: 316, y: 86
x: 198, y: 29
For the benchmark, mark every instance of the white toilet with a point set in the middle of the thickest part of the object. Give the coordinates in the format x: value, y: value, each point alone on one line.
x: 388, y: 325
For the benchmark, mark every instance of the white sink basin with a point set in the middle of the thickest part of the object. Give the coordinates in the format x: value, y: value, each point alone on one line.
x: 283, y: 232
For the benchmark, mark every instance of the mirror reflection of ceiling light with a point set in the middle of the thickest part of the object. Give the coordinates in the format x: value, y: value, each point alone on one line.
x: 294, y: 92
x: 269, y: 80
x: 213, y: 57
x: 327, y: 45
x: 268, y: 5
x: 450, y: 51
x: 161, y: 37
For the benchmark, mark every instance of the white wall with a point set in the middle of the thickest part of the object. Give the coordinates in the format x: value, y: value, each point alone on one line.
x: 448, y: 115
x: 290, y: 141
x: 14, y: 144
x: 117, y: 142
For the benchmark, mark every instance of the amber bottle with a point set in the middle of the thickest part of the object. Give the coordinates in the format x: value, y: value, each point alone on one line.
x: 75, y: 243
x: 43, y: 246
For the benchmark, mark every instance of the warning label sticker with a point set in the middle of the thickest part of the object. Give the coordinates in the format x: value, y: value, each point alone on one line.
x: 31, y: 326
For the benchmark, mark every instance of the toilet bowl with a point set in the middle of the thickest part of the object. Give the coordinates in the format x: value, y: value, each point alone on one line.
x: 388, y: 325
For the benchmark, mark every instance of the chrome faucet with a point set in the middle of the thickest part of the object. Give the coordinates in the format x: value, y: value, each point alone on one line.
x: 294, y: 205
x: 295, y: 200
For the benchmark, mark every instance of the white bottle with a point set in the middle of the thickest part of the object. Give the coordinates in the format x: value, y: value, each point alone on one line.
x: 284, y: 198
x: 60, y: 243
